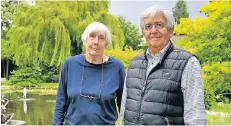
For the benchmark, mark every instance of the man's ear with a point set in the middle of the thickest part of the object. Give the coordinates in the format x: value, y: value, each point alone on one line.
x: 171, y: 35
x: 171, y: 32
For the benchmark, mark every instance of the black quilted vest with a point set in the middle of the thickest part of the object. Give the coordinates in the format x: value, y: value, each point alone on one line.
x: 157, y: 100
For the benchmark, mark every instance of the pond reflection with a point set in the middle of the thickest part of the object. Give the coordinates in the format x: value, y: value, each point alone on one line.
x: 38, y: 110
x: 24, y: 106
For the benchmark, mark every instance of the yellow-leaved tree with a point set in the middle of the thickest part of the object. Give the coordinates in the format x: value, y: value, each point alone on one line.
x: 210, y: 40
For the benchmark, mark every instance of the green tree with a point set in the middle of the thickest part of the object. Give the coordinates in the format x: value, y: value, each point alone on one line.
x: 180, y: 11
x: 131, y: 34
x: 7, y: 10
x: 49, y: 32
x: 210, y: 40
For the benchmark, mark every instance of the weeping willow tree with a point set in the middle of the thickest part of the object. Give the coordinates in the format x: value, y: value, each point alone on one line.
x: 49, y: 32
x: 7, y: 10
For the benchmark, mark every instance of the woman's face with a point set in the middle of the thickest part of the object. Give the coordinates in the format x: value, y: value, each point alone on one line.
x: 95, y: 44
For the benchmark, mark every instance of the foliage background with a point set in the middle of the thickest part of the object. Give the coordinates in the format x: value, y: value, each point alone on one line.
x: 210, y: 40
x: 39, y: 38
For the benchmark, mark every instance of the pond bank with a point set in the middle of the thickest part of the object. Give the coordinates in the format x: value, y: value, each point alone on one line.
x: 42, y: 89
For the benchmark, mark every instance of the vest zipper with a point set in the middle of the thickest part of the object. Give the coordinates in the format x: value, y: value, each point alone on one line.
x: 141, y: 99
x: 142, y: 94
x: 143, y: 90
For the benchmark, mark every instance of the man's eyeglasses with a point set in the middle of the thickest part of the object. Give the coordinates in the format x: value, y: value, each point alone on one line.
x: 101, y: 85
x: 158, y: 26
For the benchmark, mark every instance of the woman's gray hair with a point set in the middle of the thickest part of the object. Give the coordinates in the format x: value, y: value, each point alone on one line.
x: 154, y: 11
x: 96, y: 27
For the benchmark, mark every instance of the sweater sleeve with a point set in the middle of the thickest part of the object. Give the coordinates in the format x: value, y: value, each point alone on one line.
x: 193, y: 92
x: 61, y: 98
x: 123, y: 102
x: 121, y: 85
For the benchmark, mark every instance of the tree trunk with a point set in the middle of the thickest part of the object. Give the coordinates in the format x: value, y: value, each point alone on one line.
x: 7, y: 69
x: 60, y: 70
x: 3, y: 71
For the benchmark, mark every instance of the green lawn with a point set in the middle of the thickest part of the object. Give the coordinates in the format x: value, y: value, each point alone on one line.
x: 221, y: 107
x: 218, y: 120
x: 220, y: 115
x: 211, y: 120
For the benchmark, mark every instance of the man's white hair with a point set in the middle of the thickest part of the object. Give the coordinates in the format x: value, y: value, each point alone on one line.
x: 96, y: 27
x: 154, y: 11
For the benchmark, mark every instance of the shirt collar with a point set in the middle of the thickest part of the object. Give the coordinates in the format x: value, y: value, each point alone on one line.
x: 159, y: 54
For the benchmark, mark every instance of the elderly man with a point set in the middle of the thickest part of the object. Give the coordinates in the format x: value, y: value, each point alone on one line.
x: 163, y: 85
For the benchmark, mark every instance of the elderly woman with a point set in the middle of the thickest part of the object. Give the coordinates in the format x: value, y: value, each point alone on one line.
x: 89, y: 83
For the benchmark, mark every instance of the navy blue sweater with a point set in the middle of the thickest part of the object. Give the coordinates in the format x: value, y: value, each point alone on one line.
x: 78, y: 110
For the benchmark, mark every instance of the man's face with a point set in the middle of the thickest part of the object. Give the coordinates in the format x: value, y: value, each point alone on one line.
x: 155, y: 31
x: 95, y: 44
